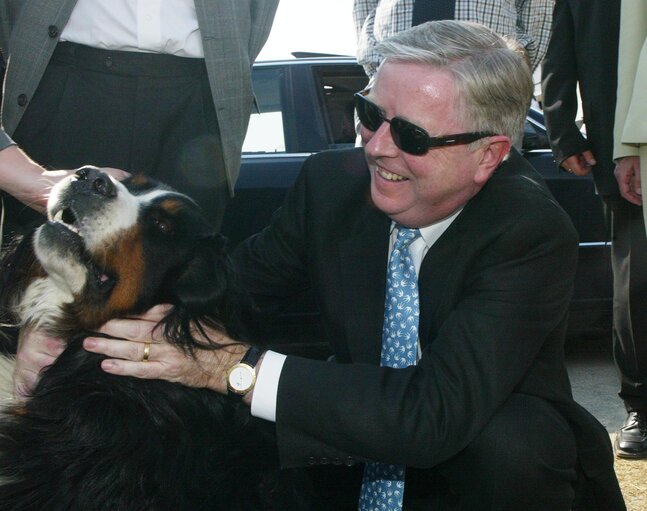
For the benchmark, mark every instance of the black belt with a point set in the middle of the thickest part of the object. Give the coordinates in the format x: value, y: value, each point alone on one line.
x: 127, y: 63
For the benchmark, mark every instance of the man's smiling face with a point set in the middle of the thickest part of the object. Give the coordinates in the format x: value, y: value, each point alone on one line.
x: 419, y: 190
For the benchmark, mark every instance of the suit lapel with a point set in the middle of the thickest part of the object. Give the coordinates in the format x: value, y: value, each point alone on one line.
x: 363, y: 258
x: 436, y: 277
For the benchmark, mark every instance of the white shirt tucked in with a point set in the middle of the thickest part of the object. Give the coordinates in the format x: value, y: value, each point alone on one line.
x: 154, y: 26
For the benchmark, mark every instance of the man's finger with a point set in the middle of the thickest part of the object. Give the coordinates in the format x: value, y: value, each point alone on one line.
x: 149, y: 371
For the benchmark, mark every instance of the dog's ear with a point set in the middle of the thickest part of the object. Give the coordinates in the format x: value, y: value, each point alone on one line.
x: 18, y: 267
x: 207, y: 292
x: 204, y: 281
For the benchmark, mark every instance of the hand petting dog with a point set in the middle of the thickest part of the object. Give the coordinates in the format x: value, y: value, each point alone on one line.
x: 126, y: 345
x: 128, y: 342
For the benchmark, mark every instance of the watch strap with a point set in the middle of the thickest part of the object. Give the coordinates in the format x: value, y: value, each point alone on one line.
x: 252, y: 356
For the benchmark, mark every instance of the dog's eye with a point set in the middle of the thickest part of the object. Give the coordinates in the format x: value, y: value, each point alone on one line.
x: 163, y: 226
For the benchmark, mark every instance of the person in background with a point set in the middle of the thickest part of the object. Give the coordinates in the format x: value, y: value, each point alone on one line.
x: 630, y: 153
x: 528, y: 21
x: 448, y: 384
x: 159, y: 87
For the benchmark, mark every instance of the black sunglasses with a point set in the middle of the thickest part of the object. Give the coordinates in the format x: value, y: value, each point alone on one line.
x: 407, y: 136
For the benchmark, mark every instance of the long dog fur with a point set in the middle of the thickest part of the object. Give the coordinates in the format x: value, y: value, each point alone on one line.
x: 87, y: 440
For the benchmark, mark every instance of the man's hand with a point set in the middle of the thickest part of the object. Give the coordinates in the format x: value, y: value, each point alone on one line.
x: 138, y: 349
x: 627, y: 174
x: 36, y: 350
x: 579, y: 164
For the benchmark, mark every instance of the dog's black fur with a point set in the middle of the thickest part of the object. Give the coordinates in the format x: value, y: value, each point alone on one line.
x: 87, y: 440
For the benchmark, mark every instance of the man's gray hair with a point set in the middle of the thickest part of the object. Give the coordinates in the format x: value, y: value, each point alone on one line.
x: 492, y: 73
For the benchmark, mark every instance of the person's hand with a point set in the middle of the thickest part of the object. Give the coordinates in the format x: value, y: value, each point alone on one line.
x: 579, y: 164
x: 137, y: 348
x: 36, y: 350
x: 29, y: 182
x: 627, y: 174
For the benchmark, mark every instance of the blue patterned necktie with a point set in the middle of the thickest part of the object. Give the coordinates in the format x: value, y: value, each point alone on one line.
x: 383, y: 484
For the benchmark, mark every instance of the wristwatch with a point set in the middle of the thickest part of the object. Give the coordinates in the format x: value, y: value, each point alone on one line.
x: 241, y: 377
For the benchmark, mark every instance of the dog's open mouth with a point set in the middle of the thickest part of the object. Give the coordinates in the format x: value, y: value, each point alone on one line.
x: 67, y: 228
x: 68, y: 219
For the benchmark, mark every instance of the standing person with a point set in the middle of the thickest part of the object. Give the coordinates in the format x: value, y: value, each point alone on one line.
x: 160, y: 87
x: 584, y: 47
x: 630, y: 152
x: 449, y: 371
x: 528, y: 21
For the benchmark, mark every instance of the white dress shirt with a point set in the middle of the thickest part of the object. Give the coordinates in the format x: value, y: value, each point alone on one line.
x: 269, y: 373
x: 154, y: 26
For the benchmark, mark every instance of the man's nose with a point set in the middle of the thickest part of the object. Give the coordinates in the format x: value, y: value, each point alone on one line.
x: 379, y: 142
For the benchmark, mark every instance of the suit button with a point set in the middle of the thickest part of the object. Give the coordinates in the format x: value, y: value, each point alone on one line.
x: 337, y: 461
x: 349, y: 462
x: 22, y: 100
x: 52, y: 31
x: 324, y: 461
x: 108, y: 62
x: 312, y: 460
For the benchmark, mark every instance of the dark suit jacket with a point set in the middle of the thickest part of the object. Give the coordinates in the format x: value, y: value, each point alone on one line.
x: 584, y: 48
x: 494, y: 295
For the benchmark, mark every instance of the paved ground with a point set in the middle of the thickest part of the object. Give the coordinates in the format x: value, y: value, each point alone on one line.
x: 595, y: 386
x: 595, y: 383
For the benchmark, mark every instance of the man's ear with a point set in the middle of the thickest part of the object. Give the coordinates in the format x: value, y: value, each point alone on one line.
x: 492, y: 153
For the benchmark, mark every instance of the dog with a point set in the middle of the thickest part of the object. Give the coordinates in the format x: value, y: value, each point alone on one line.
x: 87, y: 440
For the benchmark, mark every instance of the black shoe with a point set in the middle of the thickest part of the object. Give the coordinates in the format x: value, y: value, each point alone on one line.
x: 631, y: 440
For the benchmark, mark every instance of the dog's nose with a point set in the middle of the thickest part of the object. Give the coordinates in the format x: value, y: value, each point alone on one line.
x: 97, y: 181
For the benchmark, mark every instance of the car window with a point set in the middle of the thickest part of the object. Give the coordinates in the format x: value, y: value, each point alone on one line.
x: 336, y: 86
x: 266, y: 131
x: 534, y: 131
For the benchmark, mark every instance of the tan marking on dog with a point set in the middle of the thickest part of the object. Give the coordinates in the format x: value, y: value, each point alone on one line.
x: 125, y: 258
x: 139, y: 179
x: 171, y: 206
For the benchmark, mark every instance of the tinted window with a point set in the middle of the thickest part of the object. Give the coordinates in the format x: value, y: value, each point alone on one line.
x: 266, y: 131
x: 336, y: 86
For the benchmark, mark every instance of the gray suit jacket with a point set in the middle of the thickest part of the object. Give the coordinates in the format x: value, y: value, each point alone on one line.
x: 233, y: 33
x: 5, y: 141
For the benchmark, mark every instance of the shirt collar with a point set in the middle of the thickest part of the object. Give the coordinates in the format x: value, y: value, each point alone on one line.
x: 431, y: 233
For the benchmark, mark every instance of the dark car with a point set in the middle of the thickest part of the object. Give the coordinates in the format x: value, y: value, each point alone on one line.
x: 305, y: 105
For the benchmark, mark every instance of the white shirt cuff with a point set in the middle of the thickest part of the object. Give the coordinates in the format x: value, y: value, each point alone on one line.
x: 267, y: 386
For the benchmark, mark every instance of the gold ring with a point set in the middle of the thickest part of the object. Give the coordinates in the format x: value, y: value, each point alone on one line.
x: 147, y: 351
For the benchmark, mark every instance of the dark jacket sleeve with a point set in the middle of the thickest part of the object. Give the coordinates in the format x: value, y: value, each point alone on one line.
x: 559, y: 86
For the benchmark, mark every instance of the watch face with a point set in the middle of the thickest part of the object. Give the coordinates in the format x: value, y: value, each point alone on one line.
x: 241, y: 378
